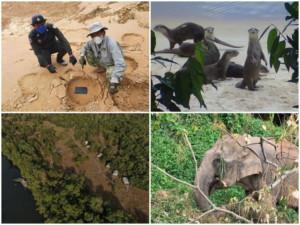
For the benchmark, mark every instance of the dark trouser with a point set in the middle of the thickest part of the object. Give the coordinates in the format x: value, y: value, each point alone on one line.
x: 44, y: 55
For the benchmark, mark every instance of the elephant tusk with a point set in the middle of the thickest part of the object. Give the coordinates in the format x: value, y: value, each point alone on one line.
x: 224, y: 184
x: 295, y: 194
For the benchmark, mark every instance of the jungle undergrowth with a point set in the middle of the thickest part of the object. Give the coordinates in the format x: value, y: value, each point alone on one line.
x: 169, y: 153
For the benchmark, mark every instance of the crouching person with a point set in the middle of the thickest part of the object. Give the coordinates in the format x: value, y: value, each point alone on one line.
x: 104, y: 52
x: 45, y: 40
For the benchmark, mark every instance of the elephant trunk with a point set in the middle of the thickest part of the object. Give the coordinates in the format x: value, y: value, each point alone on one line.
x: 204, y: 178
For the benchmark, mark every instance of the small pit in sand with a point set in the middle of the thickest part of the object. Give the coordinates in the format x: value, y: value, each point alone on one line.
x: 92, y: 86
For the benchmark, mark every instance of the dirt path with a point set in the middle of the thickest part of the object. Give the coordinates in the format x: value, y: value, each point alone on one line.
x: 27, y: 87
x: 132, y: 199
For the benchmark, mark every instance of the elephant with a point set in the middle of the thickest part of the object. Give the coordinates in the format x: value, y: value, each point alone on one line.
x: 241, y: 159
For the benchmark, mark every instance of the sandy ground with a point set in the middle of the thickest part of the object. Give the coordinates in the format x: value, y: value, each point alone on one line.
x: 27, y: 87
x: 276, y: 95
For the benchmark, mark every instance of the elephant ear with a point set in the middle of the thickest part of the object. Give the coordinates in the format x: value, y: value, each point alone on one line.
x: 251, y: 164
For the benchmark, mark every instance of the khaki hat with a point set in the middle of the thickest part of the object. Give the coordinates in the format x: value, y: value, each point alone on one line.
x: 95, y: 27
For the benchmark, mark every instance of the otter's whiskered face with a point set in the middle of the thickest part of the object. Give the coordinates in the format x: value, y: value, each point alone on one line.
x: 209, y: 33
x: 253, y: 33
x: 162, y: 29
x: 231, y: 53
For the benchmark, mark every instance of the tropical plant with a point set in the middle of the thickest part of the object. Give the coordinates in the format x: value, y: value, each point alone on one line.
x: 283, y: 49
x: 174, y: 89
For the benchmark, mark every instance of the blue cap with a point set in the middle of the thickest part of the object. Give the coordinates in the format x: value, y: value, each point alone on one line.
x: 36, y: 19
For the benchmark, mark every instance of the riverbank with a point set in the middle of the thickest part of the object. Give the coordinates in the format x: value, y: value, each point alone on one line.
x: 18, y: 205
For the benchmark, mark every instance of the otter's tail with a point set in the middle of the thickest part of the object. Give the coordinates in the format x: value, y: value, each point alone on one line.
x: 167, y: 51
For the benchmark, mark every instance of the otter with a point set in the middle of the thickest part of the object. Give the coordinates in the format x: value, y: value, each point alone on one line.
x: 212, y: 53
x: 218, y: 70
x: 237, y: 70
x: 253, y: 62
x: 181, y: 33
x: 185, y: 50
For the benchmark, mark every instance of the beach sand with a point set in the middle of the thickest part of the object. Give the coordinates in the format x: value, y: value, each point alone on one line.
x: 28, y: 87
x: 276, y: 95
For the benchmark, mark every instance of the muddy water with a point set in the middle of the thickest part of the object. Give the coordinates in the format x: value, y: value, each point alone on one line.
x: 18, y: 205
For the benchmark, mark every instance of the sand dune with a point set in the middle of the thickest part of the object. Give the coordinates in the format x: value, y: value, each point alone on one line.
x: 27, y: 87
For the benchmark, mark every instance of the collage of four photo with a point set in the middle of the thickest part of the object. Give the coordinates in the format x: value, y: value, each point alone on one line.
x: 149, y: 112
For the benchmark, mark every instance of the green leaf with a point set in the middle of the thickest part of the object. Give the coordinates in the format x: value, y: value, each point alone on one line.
x: 271, y: 38
x: 276, y: 64
x: 286, y: 62
x: 153, y: 41
x: 280, y: 49
x: 294, y: 40
x: 199, y: 53
x: 188, y: 81
x: 183, y: 87
x: 273, y: 57
x: 292, y: 10
x: 197, y: 81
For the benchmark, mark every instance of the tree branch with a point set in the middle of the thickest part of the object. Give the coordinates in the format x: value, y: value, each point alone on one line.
x: 214, y: 207
x: 174, y: 178
x: 186, y: 139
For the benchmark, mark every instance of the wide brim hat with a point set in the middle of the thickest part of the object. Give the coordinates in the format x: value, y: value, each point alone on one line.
x: 95, y: 27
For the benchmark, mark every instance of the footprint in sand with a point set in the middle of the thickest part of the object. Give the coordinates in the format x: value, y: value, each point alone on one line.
x: 26, y: 83
x: 132, y: 65
x: 132, y: 41
x: 132, y: 95
x: 30, y: 92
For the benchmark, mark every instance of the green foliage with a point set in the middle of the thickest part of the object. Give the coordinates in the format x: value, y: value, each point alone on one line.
x: 223, y: 197
x: 153, y: 41
x: 176, y: 88
x: 283, y: 49
x: 171, y: 154
x: 172, y: 206
x: 285, y: 214
x: 62, y: 195
x: 246, y: 123
x: 189, y: 81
